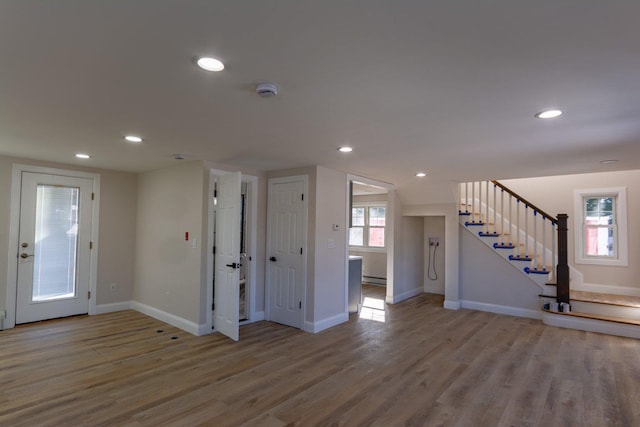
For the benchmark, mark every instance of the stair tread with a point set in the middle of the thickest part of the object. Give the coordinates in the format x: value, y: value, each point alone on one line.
x: 602, y: 298
x: 597, y: 317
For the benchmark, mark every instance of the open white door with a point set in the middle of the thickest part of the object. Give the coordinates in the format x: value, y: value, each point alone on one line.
x: 227, y: 258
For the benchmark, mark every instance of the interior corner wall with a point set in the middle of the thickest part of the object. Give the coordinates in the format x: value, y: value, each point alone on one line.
x: 412, y: 258
x: 168, y: 269
x: 434, y: 260
x: 330, y: 245
x: 554, y: 194
x: 116, y: 254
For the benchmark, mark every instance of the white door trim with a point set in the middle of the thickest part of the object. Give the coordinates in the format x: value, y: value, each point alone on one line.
x: 303, y: 291
x: 14, y: 223
x: 252, y: 240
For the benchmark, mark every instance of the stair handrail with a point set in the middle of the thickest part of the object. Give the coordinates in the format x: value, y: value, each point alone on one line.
x: 526, y: 202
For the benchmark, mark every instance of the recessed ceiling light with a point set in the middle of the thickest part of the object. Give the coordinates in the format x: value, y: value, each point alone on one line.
x: 421, y: 174
x: 609, y: 162
x: 133, y: 138
x: 210, y: 64
x: 345, y: 149
x: 83, y: 156
x: 548, y: 114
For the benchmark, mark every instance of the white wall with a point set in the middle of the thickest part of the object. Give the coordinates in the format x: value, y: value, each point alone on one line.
x: 116, y: 253
x: 330, y: 246
x: 374, y: 264
x: 169, y: 271
x: 488, y: 282
x: 412, y: 256
x: 555, y: 195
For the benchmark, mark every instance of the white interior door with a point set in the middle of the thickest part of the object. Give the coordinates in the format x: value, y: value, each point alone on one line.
x: 227, y: 258
x: 53, y: 253
x: 285, y: 258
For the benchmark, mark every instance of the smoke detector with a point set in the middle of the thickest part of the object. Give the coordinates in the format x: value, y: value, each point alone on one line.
x: 266, y: 90
x: 178, y: 156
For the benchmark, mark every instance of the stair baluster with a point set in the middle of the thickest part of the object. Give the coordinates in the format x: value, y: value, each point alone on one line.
x: 535, y: 240
x: 526, y: 231
x: 518, y: 250
x: 502, y: 233
x: 486, y: 208
x: 473, y: 202
x: 495, y: 212
x: 544, y: 245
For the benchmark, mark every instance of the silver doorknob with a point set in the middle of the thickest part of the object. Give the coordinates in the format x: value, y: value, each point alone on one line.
x: 25, y: 255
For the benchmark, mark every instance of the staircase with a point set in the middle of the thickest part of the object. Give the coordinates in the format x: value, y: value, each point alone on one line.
x: 535, y: 243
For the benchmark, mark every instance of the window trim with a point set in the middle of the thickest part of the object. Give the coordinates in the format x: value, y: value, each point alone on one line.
x: 620, y: 226
x: 366, y: 248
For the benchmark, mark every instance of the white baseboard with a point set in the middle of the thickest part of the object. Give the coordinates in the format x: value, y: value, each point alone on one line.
x: 114, y: 306
x: 403, y: 296
x: 433, y: 290
x: 591, y: 325
x: 609, y: 289
x: 451, y: 305
x: 257, y: 316
x: 501, y: 309
x: 172, y: 319
x: 375, y: 280
x: 321, y: 325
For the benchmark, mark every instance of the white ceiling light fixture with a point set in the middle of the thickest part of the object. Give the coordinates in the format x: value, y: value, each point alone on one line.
x: 210, y: 64
x: 133, y: 138
x: 345, y: 149
x: 421, y: 174
x: 266, y: 90
x: 609, y: 162
x: 548, y: 114
x: 83, y: 156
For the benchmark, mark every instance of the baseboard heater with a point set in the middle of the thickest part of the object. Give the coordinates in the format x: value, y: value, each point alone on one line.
x: 374, y: 280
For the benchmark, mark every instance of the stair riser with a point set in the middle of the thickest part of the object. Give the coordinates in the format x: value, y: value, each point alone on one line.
x: 606, y: 310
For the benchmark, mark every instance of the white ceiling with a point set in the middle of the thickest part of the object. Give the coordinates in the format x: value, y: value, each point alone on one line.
x: 449, y: 87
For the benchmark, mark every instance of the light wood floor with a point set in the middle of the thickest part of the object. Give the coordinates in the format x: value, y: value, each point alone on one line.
x: 422, y: 366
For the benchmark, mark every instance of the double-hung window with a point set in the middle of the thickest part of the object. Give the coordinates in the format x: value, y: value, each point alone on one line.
x: 368, y: 223
x: 601, y: 226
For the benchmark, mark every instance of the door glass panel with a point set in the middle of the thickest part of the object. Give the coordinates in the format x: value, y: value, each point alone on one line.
x: 56, y: 243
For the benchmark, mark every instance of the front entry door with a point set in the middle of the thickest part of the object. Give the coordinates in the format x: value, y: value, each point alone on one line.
x: 53, y: 252
x: 227, y: 258
x: 285, y: 259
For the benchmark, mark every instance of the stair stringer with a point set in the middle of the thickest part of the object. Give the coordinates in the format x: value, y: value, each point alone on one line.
x: 539, y: 280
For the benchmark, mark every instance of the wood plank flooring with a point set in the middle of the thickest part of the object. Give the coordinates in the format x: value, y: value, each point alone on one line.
x: 422, y: 366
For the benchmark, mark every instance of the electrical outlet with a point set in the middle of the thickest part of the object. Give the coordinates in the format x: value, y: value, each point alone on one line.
x: 434, y: 241
x: 113, y: 287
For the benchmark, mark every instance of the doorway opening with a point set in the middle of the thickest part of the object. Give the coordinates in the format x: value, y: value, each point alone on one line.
x: 368, y: 249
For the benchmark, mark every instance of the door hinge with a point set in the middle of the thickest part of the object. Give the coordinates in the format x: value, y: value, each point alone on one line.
x: 214, y: 250
x: 90, y: 245
x: 93, y: 196
x: 302, y: 196
x: 300, y: 251
x: 89, y: 295
x: 300, y: 305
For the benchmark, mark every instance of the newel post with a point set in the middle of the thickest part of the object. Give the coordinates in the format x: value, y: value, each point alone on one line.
x: 562, y: 270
